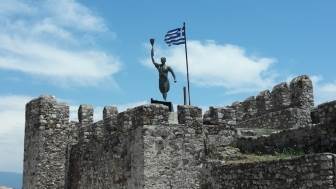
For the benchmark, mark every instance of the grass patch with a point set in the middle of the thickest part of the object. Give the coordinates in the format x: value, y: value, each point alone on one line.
x: 287, y: 153
x: 290, y: 152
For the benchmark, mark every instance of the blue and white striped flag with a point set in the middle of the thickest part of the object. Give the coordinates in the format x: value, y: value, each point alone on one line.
x: 175, y: 36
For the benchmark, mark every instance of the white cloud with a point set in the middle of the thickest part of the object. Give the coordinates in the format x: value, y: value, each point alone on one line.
x: 12, y: 116
x: 70, y: 13
x: 223, y: 65
x: 48, y: 40
x: 323, y: 91
x: 9, y: 7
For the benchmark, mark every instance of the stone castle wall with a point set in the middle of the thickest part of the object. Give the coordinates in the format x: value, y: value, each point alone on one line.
x: 174, y: 153
x: 276, y: 109
x: 316, y: 138
x: 137, y: 148
x: 46, y: 142
x: 312, y: 139
x: 324, y: 113
x: 140, y: 148
x: 111, y: 152
x: 310, y: 171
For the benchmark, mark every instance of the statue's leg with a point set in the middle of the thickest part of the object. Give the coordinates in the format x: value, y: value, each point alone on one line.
x: 164, y: 87
x: 164, y: 96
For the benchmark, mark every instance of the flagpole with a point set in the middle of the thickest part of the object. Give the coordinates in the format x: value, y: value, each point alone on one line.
x: 186, y: 53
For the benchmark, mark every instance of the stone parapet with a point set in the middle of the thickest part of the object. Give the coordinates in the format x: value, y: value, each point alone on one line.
x: 109, y: 111
x: 281, y: 96
x: 220, y: 116
x: 310, y: 171
x: 264, y: 102
x: 151, y: 114
x: 313, y: 139
x: 281, y: 119
x: 187, y: 114
x: 279, y: 103
x: 324, y: 113
x: 190, y: 116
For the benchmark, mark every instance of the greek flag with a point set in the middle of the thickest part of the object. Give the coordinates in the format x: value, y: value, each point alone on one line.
x: 175, y: 36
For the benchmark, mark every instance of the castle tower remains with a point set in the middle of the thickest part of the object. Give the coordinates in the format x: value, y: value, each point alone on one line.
x: 302, y: 92
x: 45, y: 143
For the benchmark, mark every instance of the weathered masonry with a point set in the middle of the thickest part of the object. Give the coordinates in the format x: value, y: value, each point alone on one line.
x: 143, y: 148
x: 286, y: 106
x: 137, y: 148
x: 310, y: 171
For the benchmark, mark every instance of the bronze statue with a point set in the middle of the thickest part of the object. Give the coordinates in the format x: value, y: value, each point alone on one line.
x: 163, y: 72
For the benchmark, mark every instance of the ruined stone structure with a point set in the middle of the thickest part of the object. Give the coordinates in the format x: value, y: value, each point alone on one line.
x: 310, y: 171
x: 137, y: 148
x: 142, y: 148
x: 282, y: 108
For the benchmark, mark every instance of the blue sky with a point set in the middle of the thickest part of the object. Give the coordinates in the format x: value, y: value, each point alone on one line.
x: 97, y: 52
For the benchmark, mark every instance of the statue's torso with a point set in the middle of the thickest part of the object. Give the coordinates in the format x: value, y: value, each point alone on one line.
x: 163, y: 81
x: 163, y: 71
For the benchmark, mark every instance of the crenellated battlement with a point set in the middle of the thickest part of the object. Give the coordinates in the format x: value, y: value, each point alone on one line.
x: 63, y: 152
x: 278, y: 108
x: 125, y: 145
x: 281, y: 96
x: 109, y: 111
x: 142, y: 148
x: 85, y: 114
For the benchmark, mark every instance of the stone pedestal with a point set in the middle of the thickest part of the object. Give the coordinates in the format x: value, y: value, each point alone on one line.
x: 169, y: 104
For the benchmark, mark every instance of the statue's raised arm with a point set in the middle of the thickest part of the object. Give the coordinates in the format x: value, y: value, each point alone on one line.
x: 152, y: 53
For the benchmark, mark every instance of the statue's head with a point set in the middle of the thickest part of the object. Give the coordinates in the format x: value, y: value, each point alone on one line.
x: 163, y: 60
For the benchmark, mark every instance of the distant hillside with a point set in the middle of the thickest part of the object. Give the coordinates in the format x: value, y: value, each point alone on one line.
x: 9, y: 179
